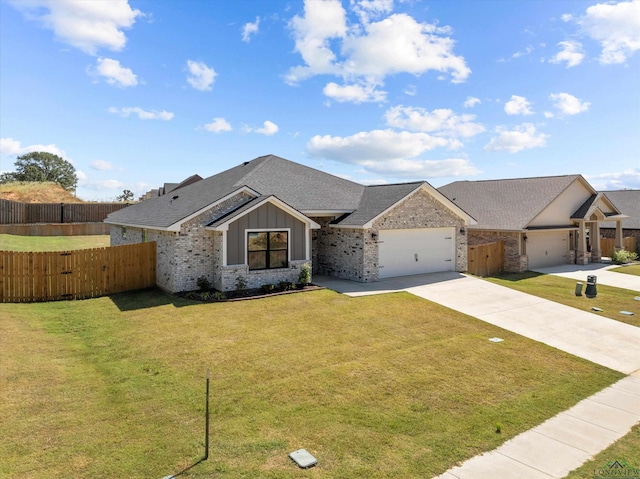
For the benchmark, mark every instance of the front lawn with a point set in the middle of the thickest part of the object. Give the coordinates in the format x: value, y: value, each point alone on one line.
x: 380, y: 386
x: 52, y: 243
x: 562, y: 290
x: 633, y: 269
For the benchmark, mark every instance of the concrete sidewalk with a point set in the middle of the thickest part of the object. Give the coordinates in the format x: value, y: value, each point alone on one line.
x: 600, y: 270
x: 562, y: 443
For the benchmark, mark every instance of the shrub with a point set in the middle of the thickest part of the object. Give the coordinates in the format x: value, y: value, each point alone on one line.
x: 305, y: 274
x: 286, y: 285
x: 203, y: 283
x: 241, y: 283
x: 219, y: 296
x: 623, y: 256
x: 268, y: 288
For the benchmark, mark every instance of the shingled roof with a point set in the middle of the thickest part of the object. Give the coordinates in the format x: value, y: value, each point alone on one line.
x: 628, y: 202
x: 509, y: 204
x: 311, y: 192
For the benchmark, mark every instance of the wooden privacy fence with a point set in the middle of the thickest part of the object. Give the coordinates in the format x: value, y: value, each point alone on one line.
x: 90, y: 273
x: 608, y: 245
x: 14, y: 212
x: 485, y: 259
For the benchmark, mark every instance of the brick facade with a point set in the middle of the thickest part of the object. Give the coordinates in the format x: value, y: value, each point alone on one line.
x: 352, y: 254
x: 347, y: 253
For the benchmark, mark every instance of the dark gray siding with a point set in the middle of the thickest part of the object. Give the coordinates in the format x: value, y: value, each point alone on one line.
x: 266, y: 216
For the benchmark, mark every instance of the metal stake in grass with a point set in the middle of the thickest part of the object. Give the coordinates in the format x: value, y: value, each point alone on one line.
x: 206, y: 436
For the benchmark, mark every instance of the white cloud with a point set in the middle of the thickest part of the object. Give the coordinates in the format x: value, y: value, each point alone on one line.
x: 86, y: 25
x: 376, y: 145
x: 569, y: 104
x: 11, y: 147
x: 471, y: 101
x: 114, y: 73
x: 218, y: 125
x: 269, y: 128
x: 625, y: 180
x: 523, y: 53
x: 201, y: 76
x: 571, y: 53
x: 390, y: 153
x: 403, y: 168
x: 616, y: 26
x: 366, y: 53
x: 102, y: 165
x: 400, y: 44
x: 354, y: 93
x: 250, y: 29
x: 142, y: 114
x: 368, y: 9
x: 441, y: 122
x: 522, y: 137
x: 518, y: 105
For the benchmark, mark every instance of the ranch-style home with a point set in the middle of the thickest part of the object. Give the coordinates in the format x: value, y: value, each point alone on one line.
x: 544, y: 221
x: 262, y: 221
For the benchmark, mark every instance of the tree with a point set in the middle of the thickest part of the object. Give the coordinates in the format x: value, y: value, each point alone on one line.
x: 127, y: 195
x: 43, y: 166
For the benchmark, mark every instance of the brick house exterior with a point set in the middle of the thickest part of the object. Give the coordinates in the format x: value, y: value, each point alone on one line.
x: 543, y: 221
x: 210, y: 229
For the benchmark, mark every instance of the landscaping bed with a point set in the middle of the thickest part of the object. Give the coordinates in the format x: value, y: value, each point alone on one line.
x: 213, y: 295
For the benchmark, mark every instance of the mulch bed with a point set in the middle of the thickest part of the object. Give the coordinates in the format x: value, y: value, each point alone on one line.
x: 214, y: 296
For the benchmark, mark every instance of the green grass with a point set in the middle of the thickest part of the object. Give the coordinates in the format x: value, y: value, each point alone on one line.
x: 562, y: 290
x: 380, y: 386
x: 51, y: 243
x: 633, y: 269
x: 626, y: 449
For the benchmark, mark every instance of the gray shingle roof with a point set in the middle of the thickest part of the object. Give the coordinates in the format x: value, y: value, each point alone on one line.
x: 376, y: 199
x: 506, y: 204
x: 628, y: 202
x: 305, y: 189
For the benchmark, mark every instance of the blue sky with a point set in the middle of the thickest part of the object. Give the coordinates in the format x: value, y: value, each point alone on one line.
x: 139, y: 93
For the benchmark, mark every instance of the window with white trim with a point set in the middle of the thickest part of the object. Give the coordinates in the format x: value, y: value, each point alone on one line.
x: 267, y: 249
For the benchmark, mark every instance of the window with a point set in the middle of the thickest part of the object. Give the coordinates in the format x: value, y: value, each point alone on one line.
x: 267, y: 249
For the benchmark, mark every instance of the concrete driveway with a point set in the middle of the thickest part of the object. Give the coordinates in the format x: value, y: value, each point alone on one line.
x: 603, y: 341
x: 601, y: 270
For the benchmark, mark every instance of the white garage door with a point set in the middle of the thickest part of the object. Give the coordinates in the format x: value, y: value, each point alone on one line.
x: 550, y: 248
x: 416, y: 251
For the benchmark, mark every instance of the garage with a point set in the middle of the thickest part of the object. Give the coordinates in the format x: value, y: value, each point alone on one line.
x: 405, y: 252
x: 549, y: 248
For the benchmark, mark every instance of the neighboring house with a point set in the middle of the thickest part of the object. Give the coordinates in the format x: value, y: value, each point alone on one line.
x: 261, y: 221
x: 169, y: 187
x: 543, y: 221
x: 628, y: 201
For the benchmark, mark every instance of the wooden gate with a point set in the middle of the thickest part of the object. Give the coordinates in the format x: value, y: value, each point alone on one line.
x: 608, y: 245
x: 485, y: 259
x: 89, y: 273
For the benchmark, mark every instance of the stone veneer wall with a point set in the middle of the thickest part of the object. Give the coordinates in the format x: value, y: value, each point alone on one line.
x: 514, y: 262
x: 185, y: 256
x: 339, y: 252
x: 352, y: 254
x: 228, y: 276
